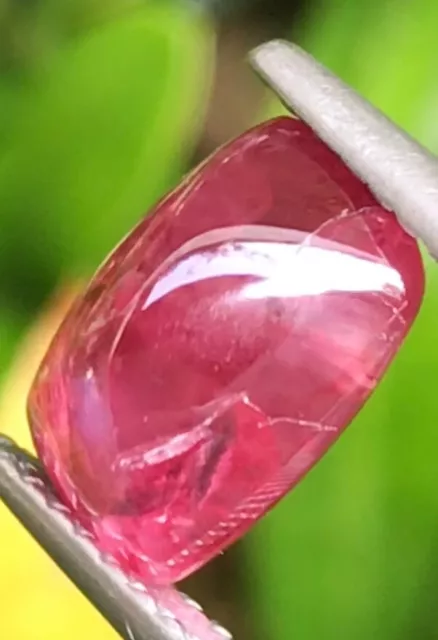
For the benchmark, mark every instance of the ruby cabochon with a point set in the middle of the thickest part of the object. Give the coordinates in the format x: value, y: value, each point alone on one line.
x: 221, y: 349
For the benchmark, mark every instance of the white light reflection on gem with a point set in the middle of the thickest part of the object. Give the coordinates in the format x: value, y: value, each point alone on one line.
x: 282, y: 262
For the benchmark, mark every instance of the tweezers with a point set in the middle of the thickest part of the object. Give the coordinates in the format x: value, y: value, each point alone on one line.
x: 404, y: 177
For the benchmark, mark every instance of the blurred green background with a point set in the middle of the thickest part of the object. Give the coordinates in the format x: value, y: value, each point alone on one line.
x: 104, y: 105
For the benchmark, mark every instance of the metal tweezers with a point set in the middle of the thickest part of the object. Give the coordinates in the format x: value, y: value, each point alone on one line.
x: 404, y: 177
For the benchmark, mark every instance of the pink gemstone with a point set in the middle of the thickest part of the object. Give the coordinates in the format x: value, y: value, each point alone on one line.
x: 222, y: 348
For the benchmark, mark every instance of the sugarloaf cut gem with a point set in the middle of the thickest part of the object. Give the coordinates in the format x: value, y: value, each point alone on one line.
x: 221, y: 349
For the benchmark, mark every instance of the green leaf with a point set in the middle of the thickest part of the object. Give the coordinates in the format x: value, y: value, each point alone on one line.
x: 11, y: 328
x: 108, y: 126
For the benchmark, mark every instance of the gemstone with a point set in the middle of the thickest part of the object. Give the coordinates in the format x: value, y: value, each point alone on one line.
x: 221, y: 349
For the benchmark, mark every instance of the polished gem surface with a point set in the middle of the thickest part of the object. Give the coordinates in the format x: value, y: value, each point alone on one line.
x: 222, y: 348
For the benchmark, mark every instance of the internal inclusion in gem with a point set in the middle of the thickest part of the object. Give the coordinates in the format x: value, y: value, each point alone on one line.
x: 221, y: 349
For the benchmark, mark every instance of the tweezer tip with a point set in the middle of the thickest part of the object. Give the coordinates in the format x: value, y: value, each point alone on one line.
x: 272, y: 46
x: 133, y: 609
x: 5, y: 443
x: 269, y: 56
x: 402, y: 174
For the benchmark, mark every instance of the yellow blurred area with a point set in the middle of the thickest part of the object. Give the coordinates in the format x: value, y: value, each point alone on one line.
x: 37, y: 601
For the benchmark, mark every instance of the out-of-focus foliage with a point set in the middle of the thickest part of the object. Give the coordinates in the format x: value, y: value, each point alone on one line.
x: 92, y: 137
x: 100, y: 105
x: 351, y: 553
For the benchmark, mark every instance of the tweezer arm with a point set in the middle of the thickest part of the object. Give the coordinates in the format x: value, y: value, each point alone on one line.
x: 401, y: 173
x: 24, y: 490
x: 131, y: 609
